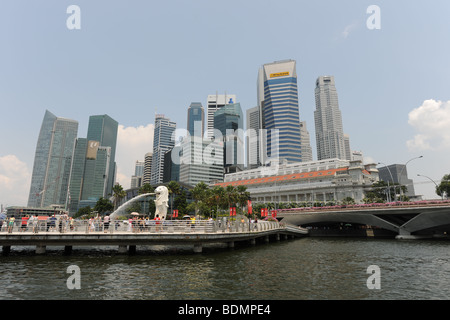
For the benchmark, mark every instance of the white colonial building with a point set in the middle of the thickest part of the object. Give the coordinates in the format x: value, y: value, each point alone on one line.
x: 318, y: 181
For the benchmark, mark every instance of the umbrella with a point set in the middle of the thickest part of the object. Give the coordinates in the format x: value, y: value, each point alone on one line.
x: 134, y: 214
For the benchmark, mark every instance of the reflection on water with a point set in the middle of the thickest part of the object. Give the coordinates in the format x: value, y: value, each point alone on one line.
x: 309, y: 268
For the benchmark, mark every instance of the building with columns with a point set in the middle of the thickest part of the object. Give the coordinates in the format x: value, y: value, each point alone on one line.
x: 330, y: 180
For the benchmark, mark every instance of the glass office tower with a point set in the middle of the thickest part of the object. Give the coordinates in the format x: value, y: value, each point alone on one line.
x: 93, y: 166
x: 162, y: 142
x: 229, y: 121
x: 103, y: 128
x: 279, y: 110
x: 52, y: 161
x: 196, y: 119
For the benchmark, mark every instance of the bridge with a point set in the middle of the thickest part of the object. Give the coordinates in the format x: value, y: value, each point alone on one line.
x: 127, y: 236
x: 409, y: 220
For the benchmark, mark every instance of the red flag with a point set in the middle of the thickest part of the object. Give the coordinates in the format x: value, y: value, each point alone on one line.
x: 234, y: 211
x: 249, y: 207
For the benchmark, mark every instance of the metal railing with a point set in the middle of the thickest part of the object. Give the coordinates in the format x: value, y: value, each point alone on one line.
x: 75, y: 226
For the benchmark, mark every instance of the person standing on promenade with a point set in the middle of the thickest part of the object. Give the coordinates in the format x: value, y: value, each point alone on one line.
x: 11, y: 224
x: 23, y: 227
x: 106, y: 223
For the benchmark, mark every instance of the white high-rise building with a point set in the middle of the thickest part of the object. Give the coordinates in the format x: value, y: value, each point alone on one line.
x: 252, y: 138
x: 214, y: 103
x: 330, y: 139
x: 201, y: 160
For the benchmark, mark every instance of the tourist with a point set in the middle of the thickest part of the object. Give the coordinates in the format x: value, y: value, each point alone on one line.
x: 23, y: 227
x: 157, y: 218
x: 106, y: 223
x: 2, y: 219
x: 11, y: 224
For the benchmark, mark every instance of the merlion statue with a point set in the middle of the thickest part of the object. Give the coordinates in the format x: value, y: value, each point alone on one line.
x: 161, y: 201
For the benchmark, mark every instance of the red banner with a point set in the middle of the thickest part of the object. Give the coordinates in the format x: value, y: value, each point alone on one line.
x: 249, y: 207
x: 175, y: 213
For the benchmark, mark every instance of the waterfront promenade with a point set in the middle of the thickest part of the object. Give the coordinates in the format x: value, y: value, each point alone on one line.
x: 128, y: 234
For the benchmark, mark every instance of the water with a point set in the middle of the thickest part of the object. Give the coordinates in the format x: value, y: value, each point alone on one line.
x: 308, y: 268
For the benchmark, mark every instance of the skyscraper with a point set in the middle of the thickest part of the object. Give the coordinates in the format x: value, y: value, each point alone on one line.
x: 330, y: 139
x: 162, y: 142
x: 147, y: 168
x: 306, y: 143
x: 214, y: 103
x: 138, y: 177
x: 93, y: 167
x: 103, y: 128
x: 279, y: 110
x: 252, y: 138
x: 52, y: 161
x: 229, y: 121
x: 196, y: 119
x: 201, y: 160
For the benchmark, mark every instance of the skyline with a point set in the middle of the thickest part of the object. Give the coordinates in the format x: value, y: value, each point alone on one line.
x: 132, y: 61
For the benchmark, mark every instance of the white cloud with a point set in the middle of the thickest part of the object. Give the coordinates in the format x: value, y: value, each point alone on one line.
x: 432, y: 122
x: 15, y: 179
x: 132, y: 144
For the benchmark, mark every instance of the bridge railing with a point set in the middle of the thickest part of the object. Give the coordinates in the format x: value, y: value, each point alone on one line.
x: 136, y: 226
x: 370, y: 205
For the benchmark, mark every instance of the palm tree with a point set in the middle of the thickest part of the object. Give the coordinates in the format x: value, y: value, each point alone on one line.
x: 231, y: 195
x: 118, y: 194
x: 217, y: 198
x: 242, y: 196
x: 200, y: 193
x: 146, y: 188
x: 174, y: 189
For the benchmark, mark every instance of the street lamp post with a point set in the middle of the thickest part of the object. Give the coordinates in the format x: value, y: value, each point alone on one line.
x: 421, y: 175
x: 392, y: 178
x: 400, y: 176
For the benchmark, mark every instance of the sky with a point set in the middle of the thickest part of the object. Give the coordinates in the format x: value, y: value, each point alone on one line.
x: 132, y: 59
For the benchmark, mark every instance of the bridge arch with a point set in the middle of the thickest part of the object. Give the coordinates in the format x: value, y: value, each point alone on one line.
x: 364, y: 219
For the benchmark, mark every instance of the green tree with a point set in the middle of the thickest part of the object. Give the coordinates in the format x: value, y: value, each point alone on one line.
x: 381, y: 191
x: 231, y: 195
x: 180, y: 203
x: 348, y: 201
x: 146, y: 188
x: 85, y: 211
x: 217, y: 200
x: 118, y: 194
x: 242, y: 197
x: 443, y: 189
x: 200, y: 193
x: 103, y: 205
x: 174, y: 189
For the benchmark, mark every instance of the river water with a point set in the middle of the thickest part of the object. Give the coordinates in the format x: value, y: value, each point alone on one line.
x: 306, y: 268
